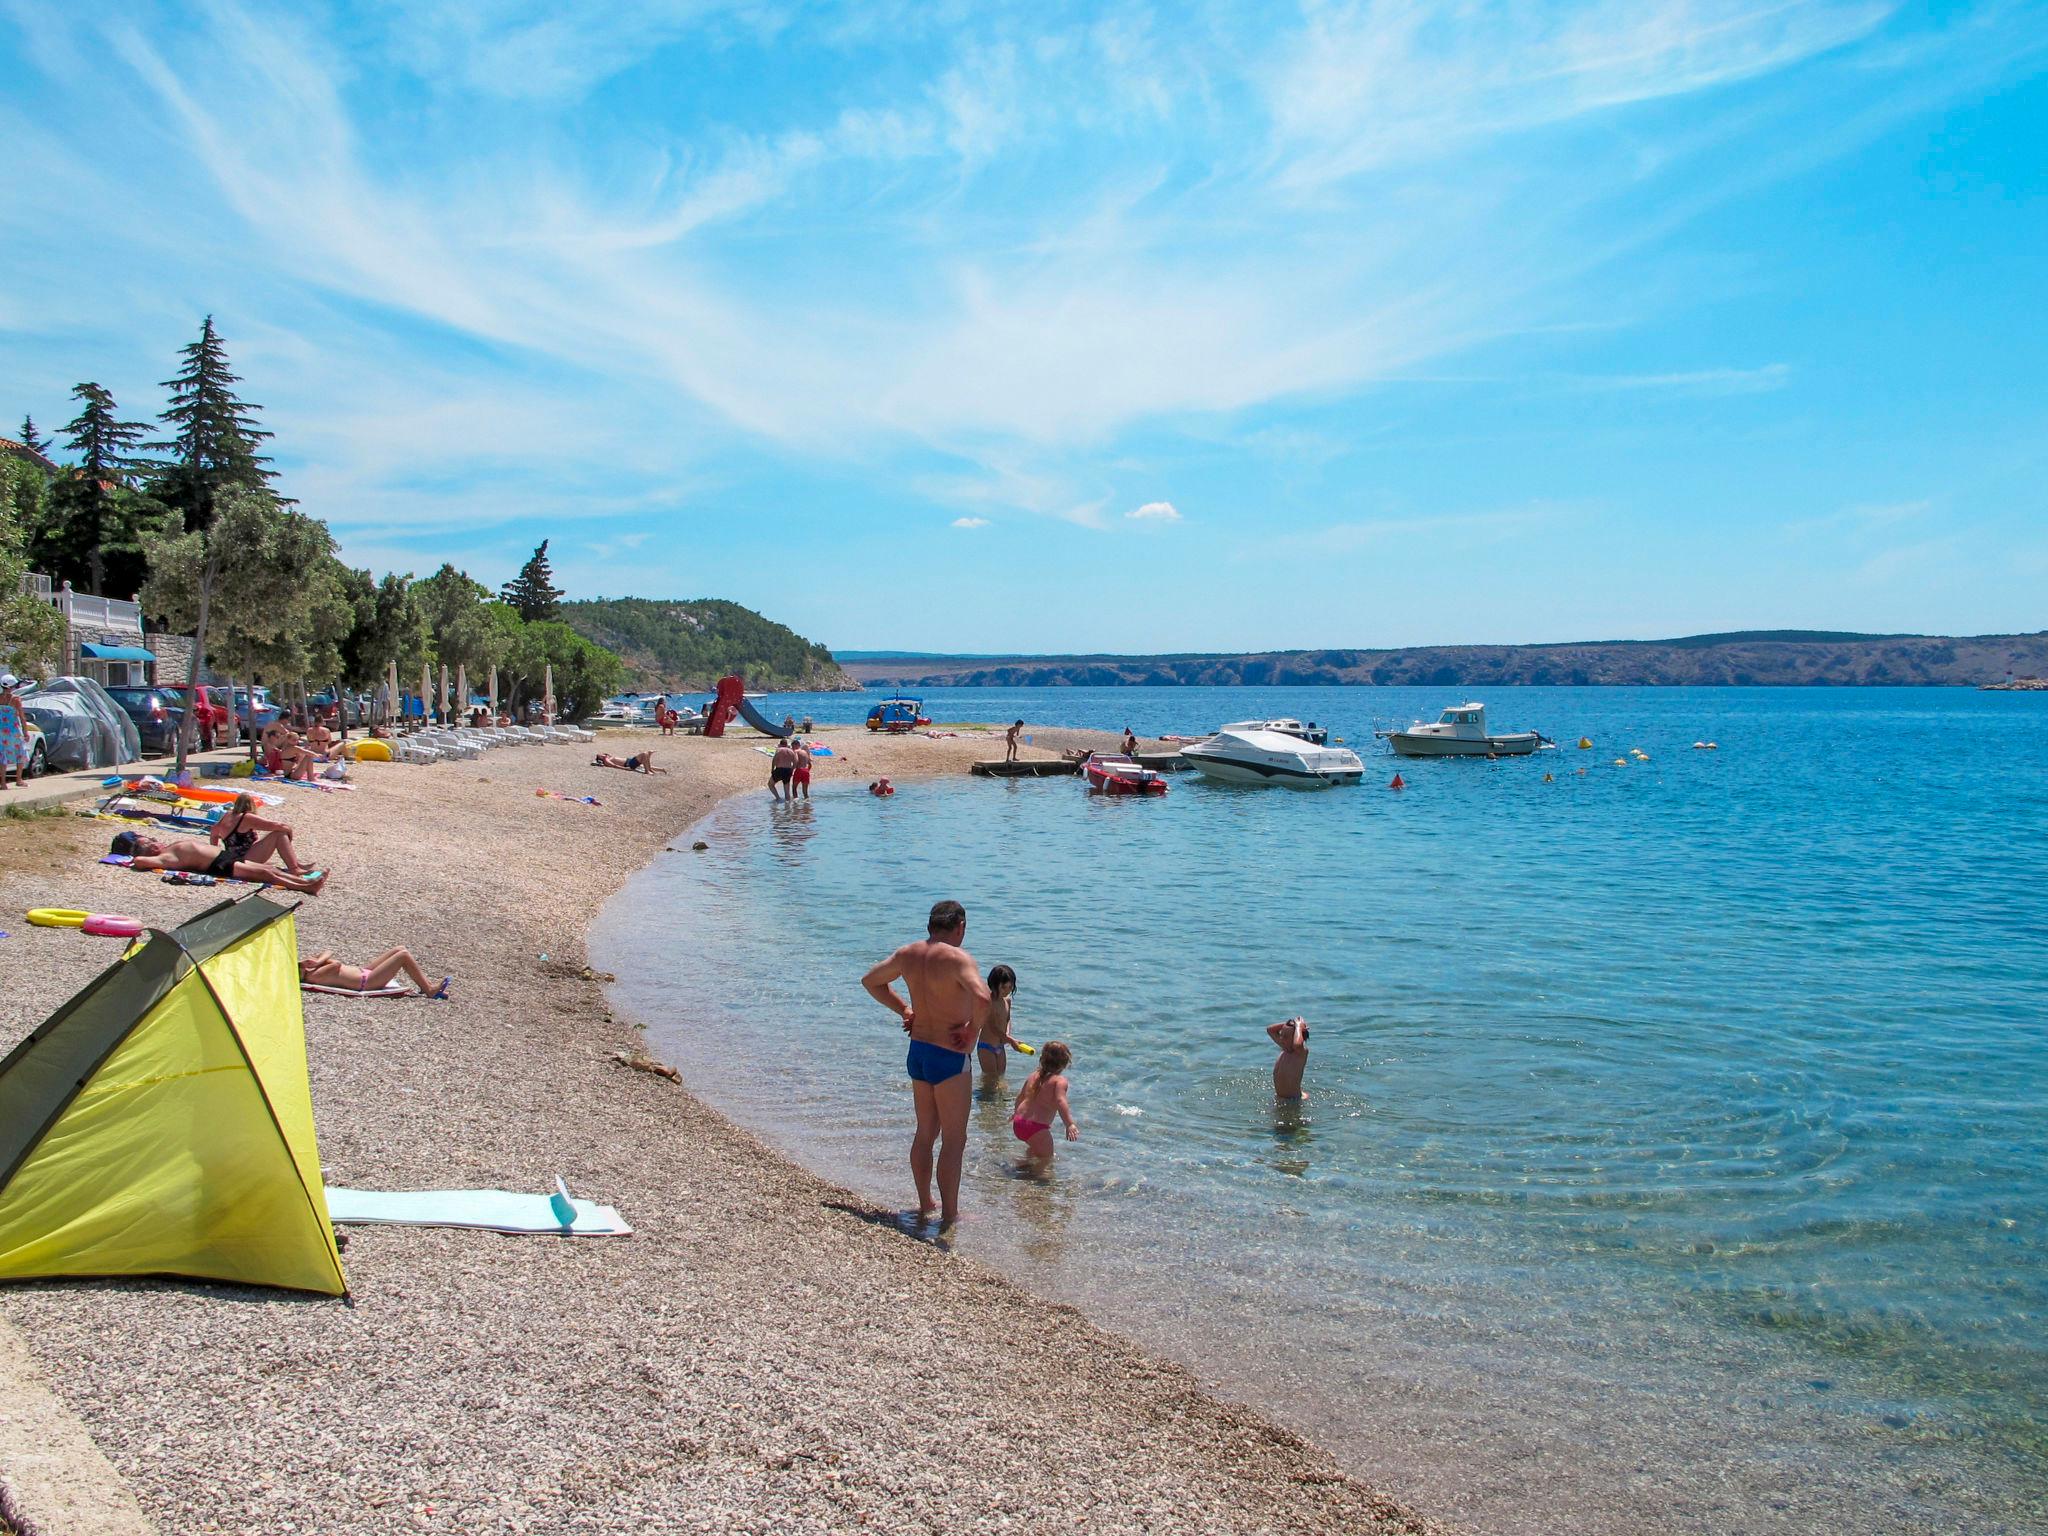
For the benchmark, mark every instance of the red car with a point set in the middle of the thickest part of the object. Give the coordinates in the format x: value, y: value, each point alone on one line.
x: 211, y: 716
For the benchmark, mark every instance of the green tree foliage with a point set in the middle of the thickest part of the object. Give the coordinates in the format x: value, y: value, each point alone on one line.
x: 32, y: 440
x: 96, y: 521
x: 461, y: 628
x: 255, y: 585
x: 585, y: 674
x: 214, y: 435
x: 690, y: 645
x: 31, y: 632
x: 391, y: 626
x: 533, y: 593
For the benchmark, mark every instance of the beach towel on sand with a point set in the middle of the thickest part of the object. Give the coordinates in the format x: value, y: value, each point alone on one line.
x: 487, y: 1210
x: 395, y: 989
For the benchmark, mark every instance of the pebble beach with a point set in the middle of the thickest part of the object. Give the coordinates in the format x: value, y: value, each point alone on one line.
x: 767, y: 1353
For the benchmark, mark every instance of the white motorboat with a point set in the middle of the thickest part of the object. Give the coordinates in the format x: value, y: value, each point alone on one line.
x: 1461, y: 732
x: 1286, y: 727
x: 629, y: 710
x: 1272, y: 757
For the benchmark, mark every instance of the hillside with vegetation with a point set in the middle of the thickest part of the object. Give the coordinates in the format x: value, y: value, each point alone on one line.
x: 679, y: 646
x: 1756, y: 658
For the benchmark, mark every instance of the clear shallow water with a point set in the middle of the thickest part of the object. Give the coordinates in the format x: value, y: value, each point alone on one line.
x: 1676, y: 1155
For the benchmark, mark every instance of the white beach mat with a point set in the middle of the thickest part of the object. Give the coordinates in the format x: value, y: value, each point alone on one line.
x: 393, y: 990
x: 485, y: 1210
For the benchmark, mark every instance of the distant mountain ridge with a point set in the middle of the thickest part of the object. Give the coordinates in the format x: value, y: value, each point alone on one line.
x: 683, y: 646
x: 1747, y: 658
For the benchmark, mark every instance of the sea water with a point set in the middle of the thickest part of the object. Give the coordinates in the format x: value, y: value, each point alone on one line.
x: 1676, y: 1154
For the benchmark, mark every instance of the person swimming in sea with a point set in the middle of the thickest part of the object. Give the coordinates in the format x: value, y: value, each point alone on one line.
x: 1043, y: 1099
x: 1291, y: 1035
x: 992, y: 1049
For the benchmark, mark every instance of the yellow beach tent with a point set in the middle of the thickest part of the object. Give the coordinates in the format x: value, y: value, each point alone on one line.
x: 160, y: 1122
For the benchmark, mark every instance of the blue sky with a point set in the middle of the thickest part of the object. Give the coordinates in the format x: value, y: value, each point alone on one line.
x: 1124, y: 327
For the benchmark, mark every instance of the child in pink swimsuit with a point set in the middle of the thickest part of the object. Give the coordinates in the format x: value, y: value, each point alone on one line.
x: 1041, y: 1100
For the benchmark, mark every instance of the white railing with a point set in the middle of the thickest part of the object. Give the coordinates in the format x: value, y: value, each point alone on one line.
x: 83, y: 609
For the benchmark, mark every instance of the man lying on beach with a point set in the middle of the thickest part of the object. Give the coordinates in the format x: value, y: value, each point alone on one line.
x: 149, y: 853
x: 639, y: 762
x: 1291, y: 1035
x: 942, y: 1018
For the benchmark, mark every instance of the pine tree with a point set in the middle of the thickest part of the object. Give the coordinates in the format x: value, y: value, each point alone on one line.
x: 533, y: 593
x: 214, y: 433
x: 31, y: 440
x: 94, y: 503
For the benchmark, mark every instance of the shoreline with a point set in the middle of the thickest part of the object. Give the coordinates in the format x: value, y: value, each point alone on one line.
x: 768, y: 1347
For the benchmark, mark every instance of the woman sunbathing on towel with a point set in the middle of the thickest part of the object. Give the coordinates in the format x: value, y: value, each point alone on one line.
x: 149, y: 853
x: 639, y: 762
x: 323, y: 970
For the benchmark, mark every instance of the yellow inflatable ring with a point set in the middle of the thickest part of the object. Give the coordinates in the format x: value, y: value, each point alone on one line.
x: 58, y: 917
x: 373, y: 752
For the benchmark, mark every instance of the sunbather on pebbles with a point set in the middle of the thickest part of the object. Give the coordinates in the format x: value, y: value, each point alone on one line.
x: 178, y: 853
x: 323, y: 970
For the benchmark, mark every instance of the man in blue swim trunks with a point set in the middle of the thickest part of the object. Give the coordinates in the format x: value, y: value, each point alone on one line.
x: 942, y: 1018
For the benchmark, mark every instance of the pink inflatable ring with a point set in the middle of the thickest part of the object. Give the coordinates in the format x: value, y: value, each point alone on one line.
x: 110, y: 925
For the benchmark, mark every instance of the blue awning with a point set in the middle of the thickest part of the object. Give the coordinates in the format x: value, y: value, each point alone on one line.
x: 93, y: 652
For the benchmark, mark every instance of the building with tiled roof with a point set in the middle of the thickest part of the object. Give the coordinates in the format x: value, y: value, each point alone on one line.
x: 12, y: 449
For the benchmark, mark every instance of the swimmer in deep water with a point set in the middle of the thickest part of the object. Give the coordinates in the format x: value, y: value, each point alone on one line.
x: 1041, y: 1100
x: 991, y: 1050
x: 1291, y: 1035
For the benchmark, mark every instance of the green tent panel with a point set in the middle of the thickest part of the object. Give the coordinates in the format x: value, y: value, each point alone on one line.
x: 160, y: 1122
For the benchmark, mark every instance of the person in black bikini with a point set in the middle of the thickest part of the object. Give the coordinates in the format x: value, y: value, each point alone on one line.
x: 252, y: 839
x: 149, y: 853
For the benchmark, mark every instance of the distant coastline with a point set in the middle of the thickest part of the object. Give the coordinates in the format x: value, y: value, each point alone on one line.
x: 1756, y: 658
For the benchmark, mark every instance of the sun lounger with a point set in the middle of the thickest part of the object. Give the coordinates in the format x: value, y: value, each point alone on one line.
x: 394, y: 990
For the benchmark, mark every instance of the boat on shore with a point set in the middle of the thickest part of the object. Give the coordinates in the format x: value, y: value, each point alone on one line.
x: 1460, y: 731
x: 897, y: 715
x: 1112, y: 773
x: 1272, y: 757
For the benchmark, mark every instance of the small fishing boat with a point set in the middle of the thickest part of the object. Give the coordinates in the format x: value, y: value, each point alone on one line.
x: 1272, y: 757
x: 897, y: 715
x: 1111, y: 773
x: 1461, y: 732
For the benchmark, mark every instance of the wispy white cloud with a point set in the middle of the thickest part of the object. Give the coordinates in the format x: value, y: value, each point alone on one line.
x: 970, y: 522
x: 1155, y: 512
x: 980, y: 267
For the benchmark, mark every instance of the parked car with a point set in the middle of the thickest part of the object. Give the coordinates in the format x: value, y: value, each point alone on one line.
x: 157, y: 714
x: 111, y: 738
x: 265, y: 712
x: 38, y: 749
x: 213, y: 711
x: 69, y: 731
x: 354, y: 707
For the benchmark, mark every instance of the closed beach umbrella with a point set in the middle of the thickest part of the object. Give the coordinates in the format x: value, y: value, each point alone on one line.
x: 547, y: 697
x: 444, y: 690
x: 494, y: 695
x: 462, y: 689
x: 391, y: 695
x: 426, y: 686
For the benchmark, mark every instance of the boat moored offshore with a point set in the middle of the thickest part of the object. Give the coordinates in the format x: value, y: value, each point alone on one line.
x: 1112, y: 773
x: 1460, y: 731
x: 1272, y: 757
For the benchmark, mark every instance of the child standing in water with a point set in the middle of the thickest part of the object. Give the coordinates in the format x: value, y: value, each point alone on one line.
x: 1291, y: 1035
x: 991, y: 1050
x: 1041, y: 1100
